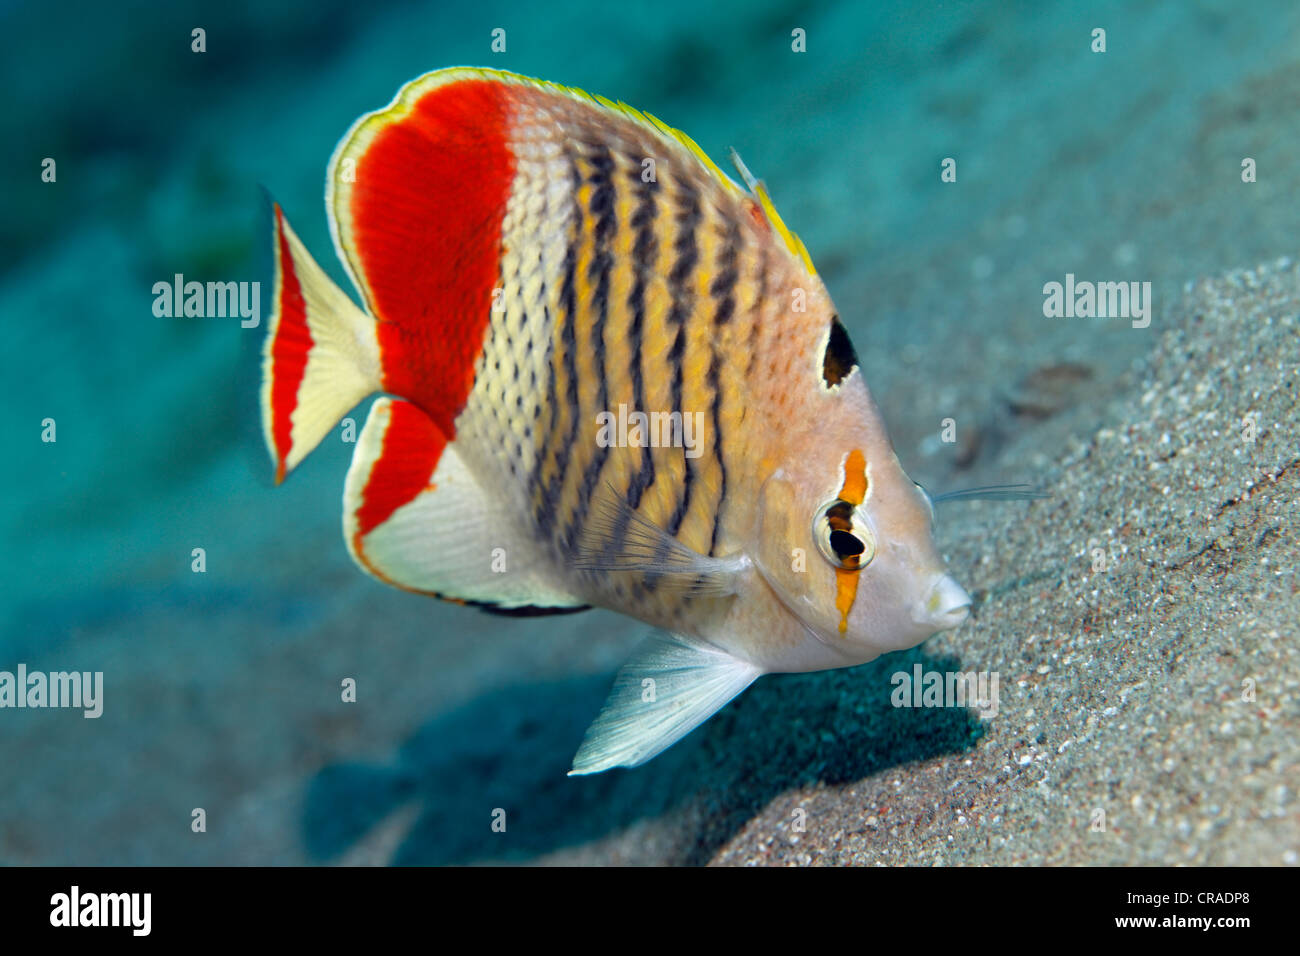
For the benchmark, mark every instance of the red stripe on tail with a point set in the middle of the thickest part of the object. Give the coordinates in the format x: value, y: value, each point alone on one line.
x: 426, y: 209
x: 289, y: 351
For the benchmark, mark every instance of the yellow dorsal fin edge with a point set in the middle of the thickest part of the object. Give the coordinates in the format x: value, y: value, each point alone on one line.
x: 792, y: 241
x: 759, y: 192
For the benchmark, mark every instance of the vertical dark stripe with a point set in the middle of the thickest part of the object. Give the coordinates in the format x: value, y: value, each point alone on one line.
x: 542, y: 430
x: 550, y: 499
x: 683, y: 301
x: 756, y: 320
x: 714, y: 369
x: 723, y: 288
x: 723, y: 291
x: 645, y: 254
x: 604, y: 213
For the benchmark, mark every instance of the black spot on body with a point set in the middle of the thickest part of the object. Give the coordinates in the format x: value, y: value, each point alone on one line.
x: 840, y: 358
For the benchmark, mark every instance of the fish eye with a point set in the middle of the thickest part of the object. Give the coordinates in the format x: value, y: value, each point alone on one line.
x: 844, y: 536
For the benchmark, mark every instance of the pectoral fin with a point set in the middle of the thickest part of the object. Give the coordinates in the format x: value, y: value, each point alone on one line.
x: 619, y: 539
x: 669, y: 686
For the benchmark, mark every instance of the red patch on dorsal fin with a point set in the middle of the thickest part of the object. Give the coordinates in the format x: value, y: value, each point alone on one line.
x: 756, y: 215
x: 426, y: 211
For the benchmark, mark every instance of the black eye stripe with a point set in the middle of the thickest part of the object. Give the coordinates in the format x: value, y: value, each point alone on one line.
x: 843, y: 535
x: 847, y: 545
x: 840, y: 515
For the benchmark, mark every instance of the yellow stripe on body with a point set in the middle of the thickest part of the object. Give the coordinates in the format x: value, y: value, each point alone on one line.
x: 697, y: 391
x: 567, y: 456
x: 558, y: 416
x: 619, y: 356
x: 607, y: 467
x: 580, y: 443
x: 656, y: 342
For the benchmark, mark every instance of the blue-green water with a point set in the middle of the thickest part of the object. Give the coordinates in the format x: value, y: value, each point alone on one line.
x: 222, y: 688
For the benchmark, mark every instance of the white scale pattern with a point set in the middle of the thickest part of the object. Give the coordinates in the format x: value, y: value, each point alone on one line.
x: 494, y: 432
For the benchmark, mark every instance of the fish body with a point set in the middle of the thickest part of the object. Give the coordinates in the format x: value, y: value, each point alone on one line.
x: 613, y: 379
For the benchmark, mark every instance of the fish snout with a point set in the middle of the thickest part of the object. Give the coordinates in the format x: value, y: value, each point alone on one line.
x: 947, y: 604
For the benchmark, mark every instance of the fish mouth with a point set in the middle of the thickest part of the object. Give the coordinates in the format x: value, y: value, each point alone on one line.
x: 947, y: 605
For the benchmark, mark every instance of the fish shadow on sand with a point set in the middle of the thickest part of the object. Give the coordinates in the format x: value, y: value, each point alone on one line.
x: 510, y: 749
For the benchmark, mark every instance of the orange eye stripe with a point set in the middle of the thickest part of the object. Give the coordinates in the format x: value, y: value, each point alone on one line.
x: 846, y: 590
x: 854, y: 492
x: 855, y: 478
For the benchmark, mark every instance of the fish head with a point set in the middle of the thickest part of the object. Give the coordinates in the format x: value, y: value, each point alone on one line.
x: 846, y: 541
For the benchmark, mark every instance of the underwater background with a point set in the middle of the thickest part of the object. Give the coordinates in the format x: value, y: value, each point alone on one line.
x: 1122, y: 688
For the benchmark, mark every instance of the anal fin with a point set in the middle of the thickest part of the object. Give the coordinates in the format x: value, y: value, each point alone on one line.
x: 690, y: 682
x: 415, y: 517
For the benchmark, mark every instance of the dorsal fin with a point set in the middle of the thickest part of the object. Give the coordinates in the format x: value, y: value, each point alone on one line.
x: 417, y: 191
x: 759, y: 191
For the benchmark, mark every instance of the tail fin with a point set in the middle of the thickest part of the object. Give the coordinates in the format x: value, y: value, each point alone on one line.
x: 321, y: 355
